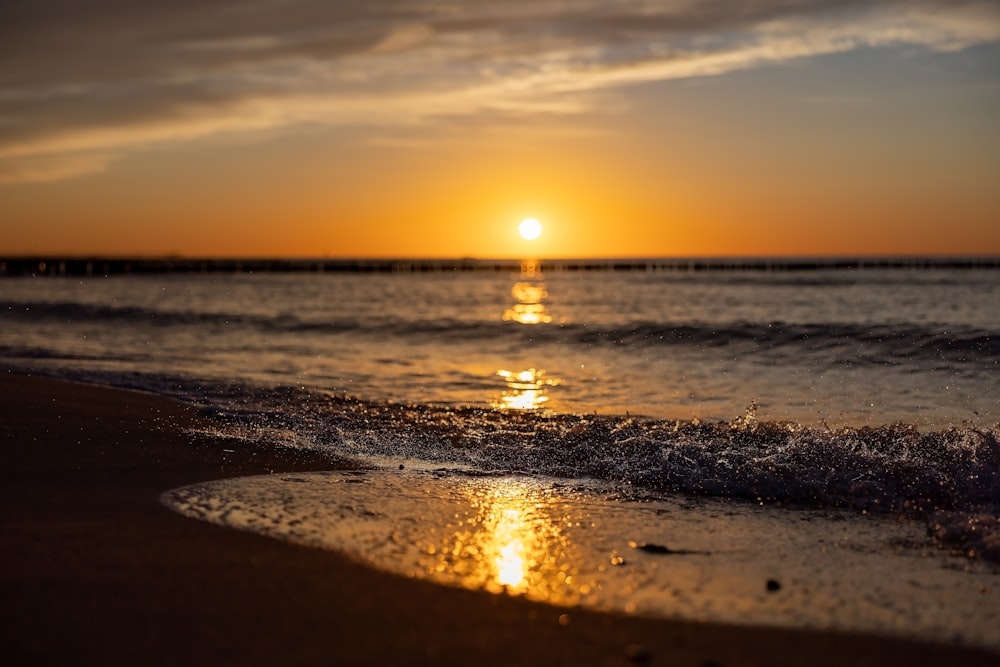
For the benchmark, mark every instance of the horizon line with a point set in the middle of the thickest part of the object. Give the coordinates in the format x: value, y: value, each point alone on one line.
x: 55, y: 265
x: 179, y: 257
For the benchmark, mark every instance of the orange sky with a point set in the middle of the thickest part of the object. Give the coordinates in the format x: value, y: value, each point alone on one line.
x: 385, y: 130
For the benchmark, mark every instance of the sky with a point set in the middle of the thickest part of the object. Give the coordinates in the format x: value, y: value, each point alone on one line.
x: 392, y: 128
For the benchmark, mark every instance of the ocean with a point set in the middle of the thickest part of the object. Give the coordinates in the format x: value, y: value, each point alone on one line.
x: 822, y: 436
x: 858, y: 347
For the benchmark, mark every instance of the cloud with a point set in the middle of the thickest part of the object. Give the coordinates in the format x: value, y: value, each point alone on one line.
x: 48, y: 168
x: 403, y: 38
x: 102, y: 78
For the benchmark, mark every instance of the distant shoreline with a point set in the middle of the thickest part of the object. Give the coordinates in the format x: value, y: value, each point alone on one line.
x: 56, y: 265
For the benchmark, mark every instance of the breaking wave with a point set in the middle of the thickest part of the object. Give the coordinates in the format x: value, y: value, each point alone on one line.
x: 950, y: 477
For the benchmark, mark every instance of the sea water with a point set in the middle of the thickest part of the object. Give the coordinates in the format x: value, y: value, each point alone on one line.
x: 866, y: 399
x: 841, y: 347
x: 576, y: 545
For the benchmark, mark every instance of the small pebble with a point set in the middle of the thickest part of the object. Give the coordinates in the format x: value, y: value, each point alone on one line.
x: 563, y: 619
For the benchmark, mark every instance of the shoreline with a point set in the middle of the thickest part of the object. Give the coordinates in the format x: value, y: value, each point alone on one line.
x: 95, y: 570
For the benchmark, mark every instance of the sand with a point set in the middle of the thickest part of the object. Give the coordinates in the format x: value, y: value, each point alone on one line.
x: 95, y: 571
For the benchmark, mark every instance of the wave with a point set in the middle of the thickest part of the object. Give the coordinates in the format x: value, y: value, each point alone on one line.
x: 848, y: 342
x: 889, y: 342
x: 68, y: 312
x: 71, y: 311
x: 950, y: 477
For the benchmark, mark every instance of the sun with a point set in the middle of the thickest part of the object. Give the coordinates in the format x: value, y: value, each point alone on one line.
x: 530, y: 229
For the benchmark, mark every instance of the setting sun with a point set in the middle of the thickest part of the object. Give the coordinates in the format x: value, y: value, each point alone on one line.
x: 530, y: 229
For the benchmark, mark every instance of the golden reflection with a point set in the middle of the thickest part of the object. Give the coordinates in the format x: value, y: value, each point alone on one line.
x: 510, y: 559
x: 530, y: 294
x: 511, y: 542
x: 526, y: 390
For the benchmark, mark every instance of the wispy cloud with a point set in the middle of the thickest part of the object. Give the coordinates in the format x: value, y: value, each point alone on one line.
x: 47, y: 168
x: 83, y: 82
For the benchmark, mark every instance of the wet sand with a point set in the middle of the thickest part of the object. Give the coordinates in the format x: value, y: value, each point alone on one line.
x: 95, y: 571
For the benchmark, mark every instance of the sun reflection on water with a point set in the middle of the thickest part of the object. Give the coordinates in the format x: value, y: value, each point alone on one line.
x: 529, y: 294
x: 526, y: 390
x: 511, y: 552
x: 511, y: 542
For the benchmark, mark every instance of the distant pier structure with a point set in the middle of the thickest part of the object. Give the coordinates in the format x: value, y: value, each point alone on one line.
x: 107, y: 266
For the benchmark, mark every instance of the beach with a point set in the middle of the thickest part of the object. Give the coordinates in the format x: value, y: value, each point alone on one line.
x: 632, y: 333
x: 97, y: 571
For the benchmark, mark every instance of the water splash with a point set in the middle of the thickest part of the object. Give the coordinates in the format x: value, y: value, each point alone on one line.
x: 892, y: 468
